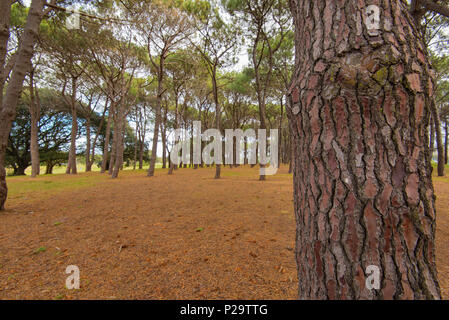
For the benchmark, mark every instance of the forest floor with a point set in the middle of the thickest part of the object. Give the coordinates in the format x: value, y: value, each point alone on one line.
x: 185, y: 236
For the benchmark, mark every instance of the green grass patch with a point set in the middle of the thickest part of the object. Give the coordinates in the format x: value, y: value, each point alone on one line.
x: 40, y: 249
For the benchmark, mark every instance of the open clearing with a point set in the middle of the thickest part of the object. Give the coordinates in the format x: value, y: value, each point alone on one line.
x: 185, y: 236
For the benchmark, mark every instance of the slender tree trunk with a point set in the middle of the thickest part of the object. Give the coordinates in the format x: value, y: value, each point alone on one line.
x: 141, y: 150
x: 71, y: 167
x: 363, y: 190
x: 445, y: 142
x: 114, y: 145
x: 94, y: 144
x: 136, y: 144
x: 35, y: 111
x: 22, y: 64
x: 118, y: 142
x: 432, y: 137
x: 217, y: 114
x: 157, y: 123
x: 281, y: 118
x: 245, y: 147
x: 260, y: 95
x: 105, y: 159
x: 34, y: 146
x: 164, y: 148
x: 439, y: 138
x: 88, y: 146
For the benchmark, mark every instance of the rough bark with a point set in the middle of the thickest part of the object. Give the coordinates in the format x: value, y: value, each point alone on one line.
x: 22, y: 65
x: 360, y: 104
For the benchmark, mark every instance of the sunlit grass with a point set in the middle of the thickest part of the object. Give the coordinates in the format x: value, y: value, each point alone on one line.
x: 44, y: 185
x: 81, y: 167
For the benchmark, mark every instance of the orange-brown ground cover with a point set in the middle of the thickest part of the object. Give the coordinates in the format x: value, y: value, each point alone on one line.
x: 185, y: 236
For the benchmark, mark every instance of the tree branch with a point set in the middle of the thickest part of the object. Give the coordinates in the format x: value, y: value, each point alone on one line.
x: 435, y: 7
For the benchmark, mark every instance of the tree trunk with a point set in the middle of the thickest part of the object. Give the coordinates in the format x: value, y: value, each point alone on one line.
x: 432, y: 137
x: 217, y: 116
x: 88, y: 146
x: 105, y: 159
x: 157, y: 122
x: 363, y: 189
x: 280, y: 133
x: 35, y: 111
x: 71, y: 167
x: 34, y: 147
x: 136, y: 143
x: 20, y: 171
x: 49, y: 167
x: 439, y: 137
x: 100, y: 127
x: 114, y: 146
x: 141, y: 149
x: 445, y: 142
x: 22, y: 64
x: 164, y: 148
x: 118, y: 142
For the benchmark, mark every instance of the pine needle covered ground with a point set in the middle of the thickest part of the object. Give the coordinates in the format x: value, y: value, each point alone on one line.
x: 185, y: 236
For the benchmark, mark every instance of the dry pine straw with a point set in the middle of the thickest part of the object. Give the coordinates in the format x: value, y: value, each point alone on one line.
x: 185, y: 236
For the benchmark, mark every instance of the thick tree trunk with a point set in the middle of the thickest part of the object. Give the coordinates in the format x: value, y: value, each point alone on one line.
x: 49, y: 168
x: 22, y: 64
x: 360, y: 104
